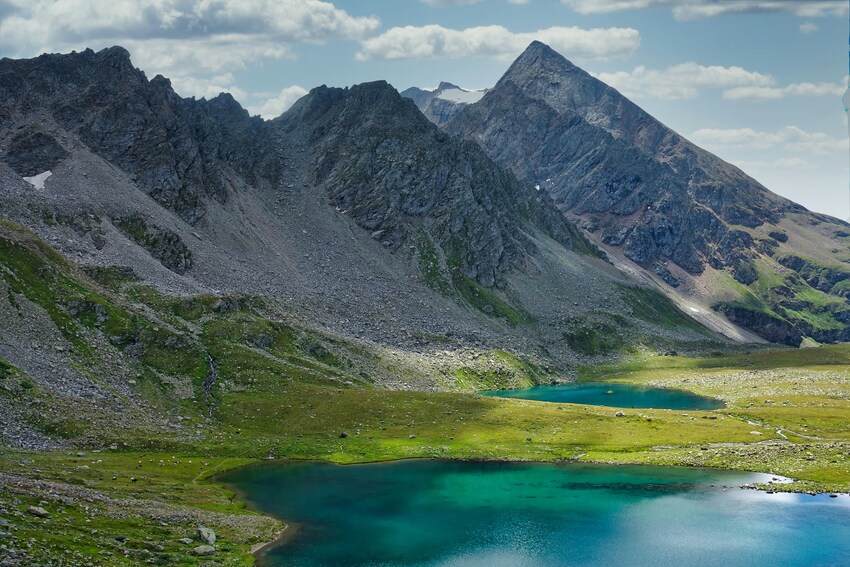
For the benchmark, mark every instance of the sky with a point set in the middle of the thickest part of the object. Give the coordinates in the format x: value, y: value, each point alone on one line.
x: 757, y: 82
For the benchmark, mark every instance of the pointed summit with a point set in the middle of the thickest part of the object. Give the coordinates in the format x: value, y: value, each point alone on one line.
x: 544, y: 74
x: 538, y: 59
x: 647, y: 193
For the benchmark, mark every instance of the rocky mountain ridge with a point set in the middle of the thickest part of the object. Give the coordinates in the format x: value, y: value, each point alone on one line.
x: 167, y: 232
x: 699, y: 226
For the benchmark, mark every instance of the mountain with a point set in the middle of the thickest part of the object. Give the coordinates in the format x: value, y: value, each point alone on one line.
x: 441, y: 104
x: 705, y: 232
x: 152, y: 247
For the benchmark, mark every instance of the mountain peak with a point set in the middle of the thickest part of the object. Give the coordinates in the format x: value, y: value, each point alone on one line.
x: 114, y: 52
x: 540, y: 57
x: 445, y: 85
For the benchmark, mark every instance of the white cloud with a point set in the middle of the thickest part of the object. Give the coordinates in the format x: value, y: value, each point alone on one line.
x: 683, y: 81
x: 278, y: 104
x: 208, y: 87
x: 794, y: 89
x: 693, y: 9
x: 196, y: 43
x: 431, y: 41
x: 808, y: 27
x: 789, y: 138
x: 73, y: 21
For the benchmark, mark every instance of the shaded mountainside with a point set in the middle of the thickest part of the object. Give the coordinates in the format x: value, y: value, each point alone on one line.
x: 712, y: 234
x: 396, y: 174
x: 179, y: 151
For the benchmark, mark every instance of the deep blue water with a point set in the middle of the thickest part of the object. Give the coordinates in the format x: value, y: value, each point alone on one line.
x: 436, y: 513
x: 615, y: 395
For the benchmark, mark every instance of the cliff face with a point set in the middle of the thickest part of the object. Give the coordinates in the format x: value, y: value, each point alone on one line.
x: 641, y: 189
x: 642, y: 186
x: 179, y: 151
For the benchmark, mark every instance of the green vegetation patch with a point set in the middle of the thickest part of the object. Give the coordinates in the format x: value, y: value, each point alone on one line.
x: 593, y: 337
x: 487, y: 301
x: 500, y: 370
x: 650, y: 305
x: 111, y: 277
x: 430, y: 266
x: 163, y: 244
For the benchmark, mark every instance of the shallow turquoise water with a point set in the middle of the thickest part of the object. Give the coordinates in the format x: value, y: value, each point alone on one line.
x: 429, y: 513
x: 615, y: 395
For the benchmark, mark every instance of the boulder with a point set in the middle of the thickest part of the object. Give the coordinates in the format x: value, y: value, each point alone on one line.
x: 204, y: 551
x: 206, y: 535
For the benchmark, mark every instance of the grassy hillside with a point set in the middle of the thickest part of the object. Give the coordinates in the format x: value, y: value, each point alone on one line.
x: 196, y: 385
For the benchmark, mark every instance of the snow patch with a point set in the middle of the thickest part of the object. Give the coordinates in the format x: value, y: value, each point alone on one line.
x: 461, y: 96
x: 37, y: 181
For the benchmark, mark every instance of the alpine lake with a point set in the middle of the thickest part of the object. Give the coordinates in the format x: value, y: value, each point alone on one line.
x: 455, y: 513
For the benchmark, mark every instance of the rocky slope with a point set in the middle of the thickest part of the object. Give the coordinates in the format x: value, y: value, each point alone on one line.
x: 714, y: 236
x: 349, y: 240
x: 384, y: 165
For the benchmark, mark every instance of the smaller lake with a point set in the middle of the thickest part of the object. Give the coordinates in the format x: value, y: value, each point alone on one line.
x: 613, y: 395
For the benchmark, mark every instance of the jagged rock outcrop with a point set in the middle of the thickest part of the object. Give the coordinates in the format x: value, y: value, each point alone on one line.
x: 179, y: 151
x: 392, y: 171
x: 32, y: 151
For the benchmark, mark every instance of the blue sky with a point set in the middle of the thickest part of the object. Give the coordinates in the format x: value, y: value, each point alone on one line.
x: 757, y: 82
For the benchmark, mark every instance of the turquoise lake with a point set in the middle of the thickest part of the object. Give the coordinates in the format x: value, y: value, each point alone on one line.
x: 454, y: 514
x: 614, y: 395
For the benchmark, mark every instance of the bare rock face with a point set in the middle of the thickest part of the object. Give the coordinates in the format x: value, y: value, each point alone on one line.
x: 646, y: 189
x: 32, y: 151
x: 659, y: 200
x: 180, y: 151
x: 394, y: 172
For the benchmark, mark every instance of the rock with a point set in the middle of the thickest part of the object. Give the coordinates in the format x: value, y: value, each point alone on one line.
x: 206, y: 535
x: 619, y: 414
x: 450, y: 185
x: 615, y: 158
x: 204, y: 551
x: 32, y: 151
x: 38, y: 511
x: 343, y: 435
x: 411, y: 436
x: 163, y: 244
x: 186, y: 540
